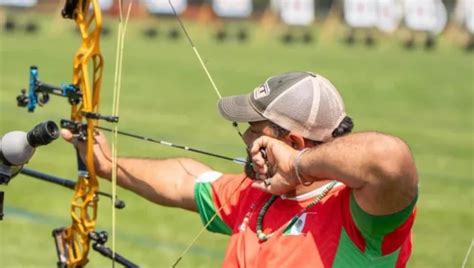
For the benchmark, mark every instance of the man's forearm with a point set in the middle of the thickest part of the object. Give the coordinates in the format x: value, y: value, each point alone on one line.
x: 167, y: 182
x: 352, y: 159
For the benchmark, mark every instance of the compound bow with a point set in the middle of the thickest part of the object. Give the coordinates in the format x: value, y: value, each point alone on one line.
x: 73, y: 242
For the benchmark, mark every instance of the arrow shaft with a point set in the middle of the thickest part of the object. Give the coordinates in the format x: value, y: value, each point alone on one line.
x: 169, y: 144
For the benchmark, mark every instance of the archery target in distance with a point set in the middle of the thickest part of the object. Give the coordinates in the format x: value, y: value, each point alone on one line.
x: 464, y: 14
x: 232, y: 8
x: 425, y: 15
x: 383, y: 14
x: 389, y: 15
x: 360, y: 13
x: 297, y: 12
x: 18, y: 3
x: 163, y: 6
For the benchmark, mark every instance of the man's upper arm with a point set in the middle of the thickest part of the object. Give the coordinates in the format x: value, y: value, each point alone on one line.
x: 394, y: 181
x: 383, y: 208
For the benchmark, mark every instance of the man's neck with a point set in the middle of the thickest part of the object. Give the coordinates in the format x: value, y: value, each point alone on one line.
x: 301, y: 189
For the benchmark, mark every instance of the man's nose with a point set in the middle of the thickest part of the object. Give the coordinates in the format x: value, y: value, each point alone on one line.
x: 247, y: 137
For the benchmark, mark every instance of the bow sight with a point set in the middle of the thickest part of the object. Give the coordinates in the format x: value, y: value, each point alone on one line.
x: 38, y: 95
x: 38, y: 92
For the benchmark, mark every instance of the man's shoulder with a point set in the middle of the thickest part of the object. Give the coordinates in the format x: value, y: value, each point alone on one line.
x: 226, y: 184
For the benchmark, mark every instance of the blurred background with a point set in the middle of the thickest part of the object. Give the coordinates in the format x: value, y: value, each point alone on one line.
x: 403, y: 67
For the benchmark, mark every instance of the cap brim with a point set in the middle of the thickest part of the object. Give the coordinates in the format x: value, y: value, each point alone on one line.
x: 239, y: 109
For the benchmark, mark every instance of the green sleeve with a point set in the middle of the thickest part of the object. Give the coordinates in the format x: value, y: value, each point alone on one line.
x: 377, y: 226
x: 207, y: 209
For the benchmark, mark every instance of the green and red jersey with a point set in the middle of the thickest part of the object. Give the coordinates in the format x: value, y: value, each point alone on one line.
x: 335, y: 232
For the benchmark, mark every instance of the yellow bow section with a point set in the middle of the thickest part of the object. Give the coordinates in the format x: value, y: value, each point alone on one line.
x: 73, y: 242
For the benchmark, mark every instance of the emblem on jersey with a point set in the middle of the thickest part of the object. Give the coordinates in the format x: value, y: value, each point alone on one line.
x: 298, y: 226
x: 261, y: 91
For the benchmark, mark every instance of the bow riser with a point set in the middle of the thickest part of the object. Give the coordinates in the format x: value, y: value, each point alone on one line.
x: 73, y: 242
x: 88, y: 18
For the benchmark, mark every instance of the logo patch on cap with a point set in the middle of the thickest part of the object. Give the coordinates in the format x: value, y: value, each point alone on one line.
x: 261, y: 91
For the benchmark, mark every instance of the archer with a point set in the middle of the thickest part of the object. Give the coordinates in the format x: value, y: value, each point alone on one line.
x: 312, y: 194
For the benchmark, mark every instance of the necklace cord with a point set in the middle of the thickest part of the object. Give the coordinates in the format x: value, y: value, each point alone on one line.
x: 262, y: 237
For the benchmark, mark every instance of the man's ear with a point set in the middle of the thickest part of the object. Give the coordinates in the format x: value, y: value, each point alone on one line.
x: 296, y: 141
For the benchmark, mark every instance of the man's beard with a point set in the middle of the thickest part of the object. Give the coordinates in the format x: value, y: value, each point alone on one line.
x: 251, y: 174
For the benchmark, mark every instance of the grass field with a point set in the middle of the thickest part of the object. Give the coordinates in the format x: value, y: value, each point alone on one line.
x: 424, y: 97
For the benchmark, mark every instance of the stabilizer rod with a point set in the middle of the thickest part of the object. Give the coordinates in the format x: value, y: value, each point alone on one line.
x: 99, y: 239
x: 66, y: 183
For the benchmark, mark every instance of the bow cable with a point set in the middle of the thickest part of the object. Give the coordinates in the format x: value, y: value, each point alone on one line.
x: 122, y: 27
x: 196, y: 52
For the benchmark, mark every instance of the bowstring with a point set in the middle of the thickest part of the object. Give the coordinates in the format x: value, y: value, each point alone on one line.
x: 203, y: 65
x: 122, y: 27
x: 188, y: 247
x: 235, y: 125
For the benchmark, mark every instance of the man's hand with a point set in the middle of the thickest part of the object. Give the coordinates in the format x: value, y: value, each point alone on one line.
x: 279, y: 164
x: 102, y: 155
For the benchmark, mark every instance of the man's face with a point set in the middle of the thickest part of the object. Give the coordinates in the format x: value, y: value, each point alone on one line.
x: 257, y: 129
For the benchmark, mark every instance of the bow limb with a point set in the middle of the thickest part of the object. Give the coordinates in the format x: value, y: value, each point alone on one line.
x: 122, y: 27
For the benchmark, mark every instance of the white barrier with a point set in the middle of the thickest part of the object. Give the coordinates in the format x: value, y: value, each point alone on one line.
x: 18, y: 3
x: 163, y: 6
x: 297, y: 12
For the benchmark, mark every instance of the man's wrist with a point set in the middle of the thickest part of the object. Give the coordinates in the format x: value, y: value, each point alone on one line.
x: 105, y: 170
x: 297, y: 167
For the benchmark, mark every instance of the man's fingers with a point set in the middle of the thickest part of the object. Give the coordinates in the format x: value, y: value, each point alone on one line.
x: 258, y: 144
x: 260, y: 185
x: 261, y: 177
x: 67, y: 135
x: 260, y: 169
x: 258, y: 162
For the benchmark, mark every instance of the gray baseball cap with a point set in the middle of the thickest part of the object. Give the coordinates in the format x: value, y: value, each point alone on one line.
x: 302, y: 102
